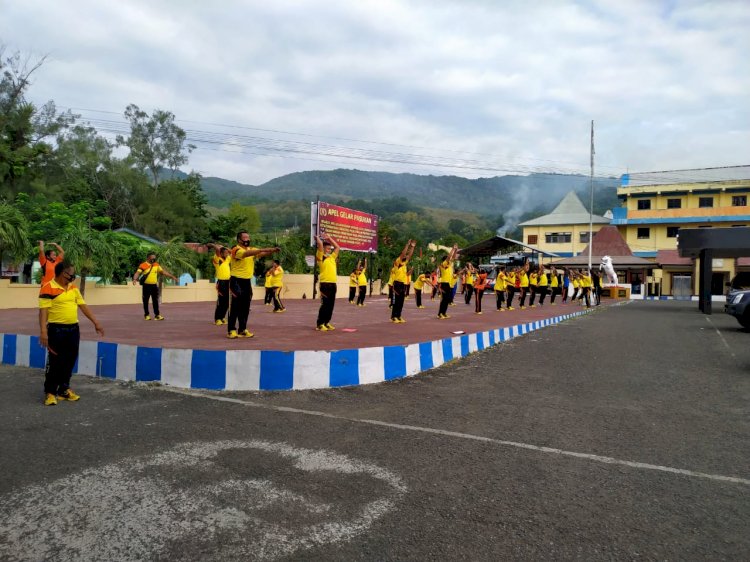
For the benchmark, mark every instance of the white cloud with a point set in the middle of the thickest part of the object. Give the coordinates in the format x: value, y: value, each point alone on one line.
x: 666, y: 82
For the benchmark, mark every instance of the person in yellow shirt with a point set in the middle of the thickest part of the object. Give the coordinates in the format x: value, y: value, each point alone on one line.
x: 399, y: 281
x: 446, y: 278
x: 511, y: 278
x: 222, y: 273
x: 148, y: 273
x: 268, y: 295
x: 242, y: 265
x: 59, y: 301
x: 353, y: 284
x: 276, y: 281
x: 500, y: 288
x: 533, y: 287
x: 362, y: 284
x: 48, y: 259
x: 326, y: 256
x: 554, y: 285
x: 542, y: 287
x: 418, y: 286
x: 468, y: 285
x: 524, y: 283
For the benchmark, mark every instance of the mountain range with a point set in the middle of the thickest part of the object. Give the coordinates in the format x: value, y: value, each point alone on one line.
x: 512, y: 196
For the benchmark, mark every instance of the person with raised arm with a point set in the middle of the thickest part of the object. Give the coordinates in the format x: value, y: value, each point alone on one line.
x: 362, y: 284
x: 400, y: 277
x: 446, y: 277
x: 326, y: 256
x: 48, y: 259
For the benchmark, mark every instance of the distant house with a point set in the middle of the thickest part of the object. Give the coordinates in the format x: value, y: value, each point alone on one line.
x: 565, y: 231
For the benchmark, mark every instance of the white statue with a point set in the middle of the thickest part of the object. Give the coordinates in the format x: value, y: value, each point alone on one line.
x: 609, y: 270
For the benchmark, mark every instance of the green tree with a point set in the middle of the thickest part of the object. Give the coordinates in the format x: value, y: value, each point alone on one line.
x: 23, y: 125
x: 176, y: 258
x: 92, y: 252
x: 156, y: 142
x: 14, y: 239
x: 247, y: 216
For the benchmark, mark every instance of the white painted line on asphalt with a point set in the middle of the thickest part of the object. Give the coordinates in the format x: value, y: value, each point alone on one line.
x: 527, y: 446
x: 721, y: 337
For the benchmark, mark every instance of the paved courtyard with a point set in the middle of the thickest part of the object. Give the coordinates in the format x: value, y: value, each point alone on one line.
x: 621, y: 434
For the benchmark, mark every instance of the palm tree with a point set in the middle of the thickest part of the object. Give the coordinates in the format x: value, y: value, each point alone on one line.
x: 90, y: 251
x: 176, y: 258
x: 14, y: 243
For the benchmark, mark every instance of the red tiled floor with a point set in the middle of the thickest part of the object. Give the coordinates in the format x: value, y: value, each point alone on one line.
x: 189, y: 325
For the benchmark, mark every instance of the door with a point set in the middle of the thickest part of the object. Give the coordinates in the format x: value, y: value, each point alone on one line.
x: 682, y: 287
x: 718, y: 279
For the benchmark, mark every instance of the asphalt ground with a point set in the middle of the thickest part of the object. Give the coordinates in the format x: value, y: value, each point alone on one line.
x: 621, y: 434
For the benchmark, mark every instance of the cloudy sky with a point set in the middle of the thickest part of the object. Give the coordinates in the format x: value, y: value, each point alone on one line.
x: 471, y: 88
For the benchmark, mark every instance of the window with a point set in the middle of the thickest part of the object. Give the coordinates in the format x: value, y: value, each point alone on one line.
x: 672, y: 231
x: 739, y: 200
x: 674, y: 203
x: 532, y: 239
x: 644, y: 232
x: 584, y: 237
x: 557, y: 237
x: 705, y: 202
x: 644, y: 204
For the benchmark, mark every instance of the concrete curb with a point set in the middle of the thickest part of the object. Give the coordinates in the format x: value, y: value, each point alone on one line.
x: 266, y: 370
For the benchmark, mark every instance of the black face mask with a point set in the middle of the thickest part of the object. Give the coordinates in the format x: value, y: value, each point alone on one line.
x: 152, y: 260
x: 245, y: 243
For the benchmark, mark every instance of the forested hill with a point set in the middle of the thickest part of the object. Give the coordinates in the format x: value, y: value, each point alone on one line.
x: 486, y: 196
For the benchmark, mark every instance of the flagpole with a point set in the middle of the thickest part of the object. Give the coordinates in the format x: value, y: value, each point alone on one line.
x: 591, y: 202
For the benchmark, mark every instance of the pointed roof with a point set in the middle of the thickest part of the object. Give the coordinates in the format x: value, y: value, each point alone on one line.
x: 569, y: 211
x: 607, y: 242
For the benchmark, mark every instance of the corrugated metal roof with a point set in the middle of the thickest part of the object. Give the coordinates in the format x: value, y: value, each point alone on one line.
x: 698, y: 175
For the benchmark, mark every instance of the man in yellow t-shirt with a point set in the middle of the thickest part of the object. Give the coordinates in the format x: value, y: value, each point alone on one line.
x: 242, y: 265
x: 149, y: 270
x: 353, y: 284
x: 362, y: 284
x: 59, y: 301
x: 419, y: 284
x: 446, y: 279
x: 500, y: 287
x: 554, y: 285
x: 222, y: 273
x: 275, y: 280
x: 326, y: 256
x: 524, y: 283
x: 400, y: 278
x: 542, y: 284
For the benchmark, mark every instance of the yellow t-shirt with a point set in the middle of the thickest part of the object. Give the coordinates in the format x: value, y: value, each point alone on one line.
x: 510, y: 280
x: 153, y: 275
x: 353, y: 280
x: 500, y: 282
x: 576, y: 283
x: 524, y: 280
x: 275, y: 277
x: 242, y: 268
x: 533, y: 279
x: 399, y: 270
x: 454, y: 279
x: 543, y: 280
x: 446, y: 272
x: 62, y: 302
x: 469, y: 279
x: 221, y: 266
x: 419, y: 283
x: 553, y: 282
x: 327, y: 266
x: 362, y: 279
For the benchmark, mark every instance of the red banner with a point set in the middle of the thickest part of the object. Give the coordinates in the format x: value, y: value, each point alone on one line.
x: 353, y: 230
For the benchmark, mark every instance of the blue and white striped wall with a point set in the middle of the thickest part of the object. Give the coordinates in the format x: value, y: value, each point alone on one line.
x: 265, y: 370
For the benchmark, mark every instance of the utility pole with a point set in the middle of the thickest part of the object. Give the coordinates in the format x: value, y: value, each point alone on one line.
x: 591, y: 203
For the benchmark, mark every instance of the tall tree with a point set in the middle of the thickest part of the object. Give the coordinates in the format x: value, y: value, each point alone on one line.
x: 14, y: 239
x: 155, y: 142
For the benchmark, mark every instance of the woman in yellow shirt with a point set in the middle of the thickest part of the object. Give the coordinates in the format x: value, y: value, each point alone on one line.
x: 524, y: 283
x: 399, y: 281
x: 362, y: 284
x: 275, y: 280
x: 446, y: 277
x: 500, y: 287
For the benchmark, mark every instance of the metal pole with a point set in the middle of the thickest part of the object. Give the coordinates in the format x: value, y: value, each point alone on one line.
x: 315, y: 249
x: 591, y: 203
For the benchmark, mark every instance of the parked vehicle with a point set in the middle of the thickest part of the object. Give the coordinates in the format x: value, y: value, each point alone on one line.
x: 738, y: 305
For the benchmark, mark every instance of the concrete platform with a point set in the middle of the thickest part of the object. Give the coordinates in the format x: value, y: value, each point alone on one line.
x: 188, y: 350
